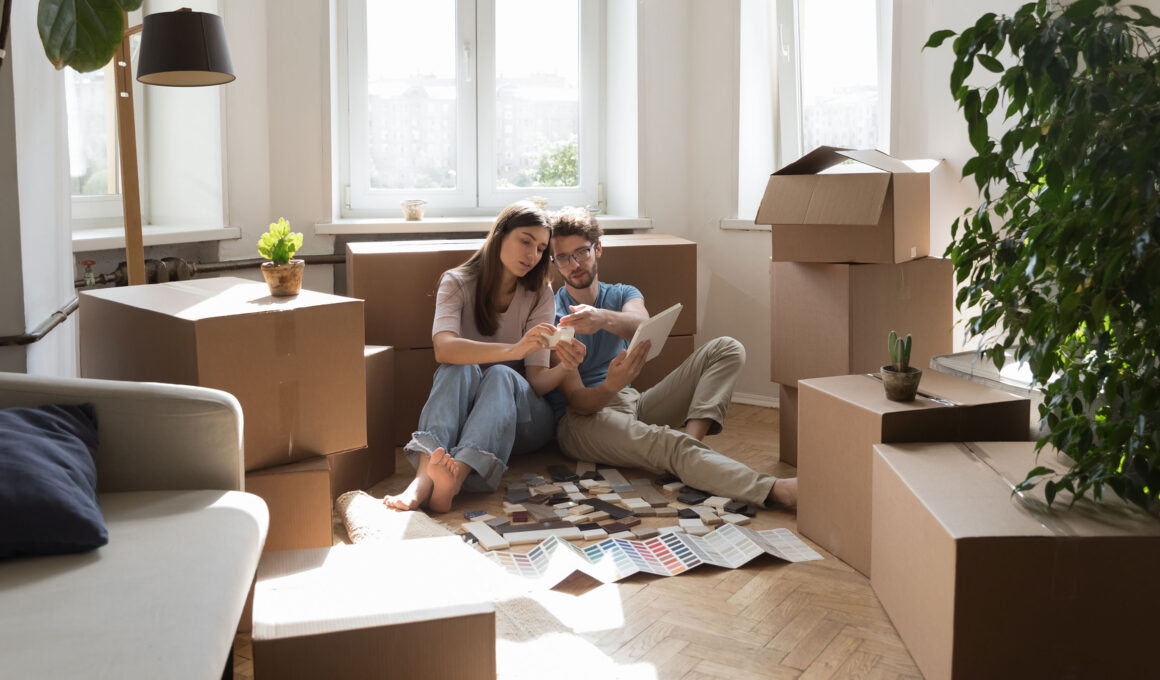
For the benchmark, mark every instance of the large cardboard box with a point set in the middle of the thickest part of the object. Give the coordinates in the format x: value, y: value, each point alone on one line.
x: 787, y: 427
x: 380, y: 363
x: 399, y: 280
x: 376, y: 611
x: 299, y: 498
x: 841, y: 419
x: 833, y: 319
x: 983, y: 583
x: 877, y: 210
x: 294, y: 363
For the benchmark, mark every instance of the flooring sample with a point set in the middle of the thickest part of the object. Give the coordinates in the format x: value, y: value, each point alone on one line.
x: 519, y: 515
x: 569, y: 487
x: 473, y: 514
x: 647, y: 511
x: 629, y: 521
x: 486, y: 536
x: 516, y: 496
x: 692, y: 498
x: 581, y: 509
x: 535, y: 526
x: 708, y: 516
x: 674, y: 486
x: 589, y: 483
x: 622, y: 534
x: 698, y: 530
x: 588, y: 526
x: 541, y: 513
x: 667, y: 511
x: 650, y: 495
x: 497, y: 522
x: 599, y: 516
x: 613, y: 477
x: 734, y: 518
x: 583, y: 466
x: 716, y: 501
x: 614, y: 527
x: 610, y: 497
x: 635, y: 504
x: 688, y: 513
x: 644, y: 532
x: 594, y: 534
x: 576, y: 496
x: 604, y: 506
x: 524, y: 537
x: 559, y: 473
x: 666, y: 478
x: 686, y: 523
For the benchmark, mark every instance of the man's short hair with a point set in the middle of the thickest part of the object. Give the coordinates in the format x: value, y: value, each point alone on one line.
x: 570, y: 221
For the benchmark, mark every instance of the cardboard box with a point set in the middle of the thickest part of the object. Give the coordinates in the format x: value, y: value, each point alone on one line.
x: 677, y: 349
x: 842, y: 418
x: 368, y: 611
x: 299, y: 498
x: 399, y: 280
x: 414, y: 375
x: 787, y: 432
x: 982, y: 583
x: 833, y: 319
x: 294, y: 363
x: 380, y: 364
x: 875, y: 211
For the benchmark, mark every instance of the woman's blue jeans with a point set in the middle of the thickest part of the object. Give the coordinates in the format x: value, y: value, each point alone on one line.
x: 481, y: 416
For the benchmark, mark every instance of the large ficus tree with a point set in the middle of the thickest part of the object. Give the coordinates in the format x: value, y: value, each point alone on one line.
x: 1062, y: 256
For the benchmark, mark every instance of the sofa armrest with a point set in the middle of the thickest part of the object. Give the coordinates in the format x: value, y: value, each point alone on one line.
x: 153, y: 436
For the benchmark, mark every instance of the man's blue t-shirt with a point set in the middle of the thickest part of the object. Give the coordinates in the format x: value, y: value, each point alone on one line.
x: 602, y: 346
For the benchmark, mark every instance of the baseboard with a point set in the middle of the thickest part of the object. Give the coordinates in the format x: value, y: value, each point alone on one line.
x: 765, y: 400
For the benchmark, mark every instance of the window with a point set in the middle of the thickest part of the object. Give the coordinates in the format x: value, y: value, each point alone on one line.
x: 813, y: 73
x: 469, y: 104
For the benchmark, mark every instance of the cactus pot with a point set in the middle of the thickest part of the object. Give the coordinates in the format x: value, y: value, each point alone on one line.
x: 900, y: 385
x: 284, y: 280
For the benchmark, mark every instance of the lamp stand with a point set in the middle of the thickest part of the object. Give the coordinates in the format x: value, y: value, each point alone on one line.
x: 127, y: 146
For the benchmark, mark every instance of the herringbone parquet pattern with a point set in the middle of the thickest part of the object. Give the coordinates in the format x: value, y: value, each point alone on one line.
x: 765, y: 620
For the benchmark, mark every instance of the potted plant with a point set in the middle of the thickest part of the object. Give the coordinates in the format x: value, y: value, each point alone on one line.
x: 278, y: 245
x: 1061, y: 259
x: 898, y: 377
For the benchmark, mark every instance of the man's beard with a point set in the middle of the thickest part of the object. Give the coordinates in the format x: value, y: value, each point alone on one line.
x: 589, y: 277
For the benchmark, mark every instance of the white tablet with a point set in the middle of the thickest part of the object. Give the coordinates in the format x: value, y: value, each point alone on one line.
x: 656, y: 329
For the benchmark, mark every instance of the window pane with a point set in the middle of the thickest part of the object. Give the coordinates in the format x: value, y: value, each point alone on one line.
x: 91, y: 133
x: 839, y: 73
x: 537, y: 98
x: 411, y: 85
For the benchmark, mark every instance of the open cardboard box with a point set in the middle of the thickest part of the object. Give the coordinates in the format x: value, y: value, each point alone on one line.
x: 875, y: 211
x: 981, y: 582
x: 841, y: 418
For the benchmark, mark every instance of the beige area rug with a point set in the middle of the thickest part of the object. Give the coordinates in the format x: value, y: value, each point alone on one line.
x: 538, y: 631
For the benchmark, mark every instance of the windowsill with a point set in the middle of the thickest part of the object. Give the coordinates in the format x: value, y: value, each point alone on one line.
x: 445, y: 225
x: 737, y: 224
x: 106, y: 238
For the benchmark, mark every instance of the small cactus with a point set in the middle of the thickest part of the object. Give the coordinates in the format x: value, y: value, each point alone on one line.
x: 899, y: 351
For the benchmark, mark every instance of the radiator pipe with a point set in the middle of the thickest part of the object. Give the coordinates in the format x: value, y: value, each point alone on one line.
x: 45, y: 326
x: 177, y: 269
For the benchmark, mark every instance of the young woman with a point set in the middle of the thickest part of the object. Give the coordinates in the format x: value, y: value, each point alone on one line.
x: 492, y: 314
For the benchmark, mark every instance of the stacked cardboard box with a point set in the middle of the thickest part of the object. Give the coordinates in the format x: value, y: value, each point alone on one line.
x: 297, y: 366
x: 975, y: 576
x: 843, y: 417
x: 398, y: 280
x: 849, y: 265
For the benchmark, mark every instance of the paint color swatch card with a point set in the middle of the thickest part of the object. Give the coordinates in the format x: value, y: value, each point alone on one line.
x: 669, y: 554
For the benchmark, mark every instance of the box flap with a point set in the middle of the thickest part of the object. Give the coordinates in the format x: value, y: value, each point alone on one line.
x: 876, y: 159
x: 211, y: 298
x: 847, y: 199
x: 936, y: 390
x: 815, y: 161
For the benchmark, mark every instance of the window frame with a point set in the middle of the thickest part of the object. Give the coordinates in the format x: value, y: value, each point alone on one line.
x: 476, y: 193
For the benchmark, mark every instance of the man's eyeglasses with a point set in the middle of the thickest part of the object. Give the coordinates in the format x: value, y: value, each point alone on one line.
x: 579, y: 256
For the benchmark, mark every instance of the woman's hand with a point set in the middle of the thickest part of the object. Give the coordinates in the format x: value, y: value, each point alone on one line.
x: 570, y: 353
x: 533, y: 340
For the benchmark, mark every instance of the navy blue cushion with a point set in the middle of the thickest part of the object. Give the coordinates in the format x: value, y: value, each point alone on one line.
x: 48, y: 481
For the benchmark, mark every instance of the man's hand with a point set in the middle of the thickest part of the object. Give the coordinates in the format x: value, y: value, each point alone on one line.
x: 586, y: 319
x: 570, y: 353
x: 626, y: 366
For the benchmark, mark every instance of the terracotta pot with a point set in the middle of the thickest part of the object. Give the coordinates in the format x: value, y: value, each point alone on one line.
x: 284, y: 280
x: 900, y: 385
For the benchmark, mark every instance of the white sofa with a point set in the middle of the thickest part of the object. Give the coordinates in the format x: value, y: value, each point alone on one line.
x: 163, y: 598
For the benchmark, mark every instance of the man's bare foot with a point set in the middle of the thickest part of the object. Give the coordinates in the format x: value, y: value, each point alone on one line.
x: 784, y: 493
x: 417, y: 492
x: 447, y: 475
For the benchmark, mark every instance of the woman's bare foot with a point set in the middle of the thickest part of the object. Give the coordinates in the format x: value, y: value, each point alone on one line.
x: 447, y: 475
x: 784, y: 493
x: 417, y: 492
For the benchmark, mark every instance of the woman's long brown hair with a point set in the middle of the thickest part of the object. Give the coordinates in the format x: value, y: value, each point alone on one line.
x: 487, y: 269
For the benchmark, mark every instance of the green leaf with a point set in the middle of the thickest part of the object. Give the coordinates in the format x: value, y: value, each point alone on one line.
x: 1147, y: 18
x: 936, y: 39
x: 990, y: 63
x: 990, y: 101
x: 82, y: 34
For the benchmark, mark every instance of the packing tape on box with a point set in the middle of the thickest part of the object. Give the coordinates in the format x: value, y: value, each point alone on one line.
x: 285, y: 334
x: 1033, y: 505
x: 925, y: 395
x: 288, y: 409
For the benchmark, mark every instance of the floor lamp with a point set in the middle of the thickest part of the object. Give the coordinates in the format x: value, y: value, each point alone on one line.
x: 179, y: 49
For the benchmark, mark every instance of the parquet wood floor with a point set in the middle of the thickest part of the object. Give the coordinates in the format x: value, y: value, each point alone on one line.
x: 767, y: 619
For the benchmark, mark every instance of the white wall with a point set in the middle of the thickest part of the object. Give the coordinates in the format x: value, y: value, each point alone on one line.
x: 35, y: 239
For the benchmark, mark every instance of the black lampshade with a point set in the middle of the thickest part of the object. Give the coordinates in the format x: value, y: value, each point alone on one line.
x: 184, y: 49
